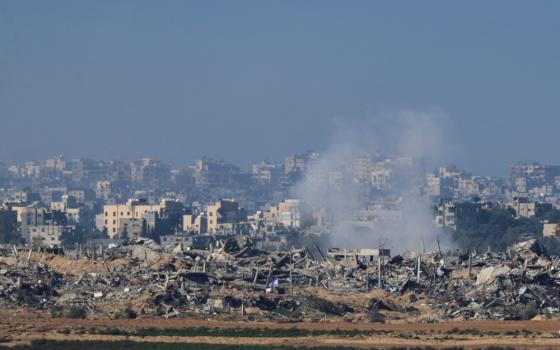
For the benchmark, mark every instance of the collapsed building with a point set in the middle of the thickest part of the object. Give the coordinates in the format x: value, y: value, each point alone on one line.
x: 235, y: 279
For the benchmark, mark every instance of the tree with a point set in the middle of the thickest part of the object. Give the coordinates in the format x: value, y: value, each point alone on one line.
x: 496, y: 228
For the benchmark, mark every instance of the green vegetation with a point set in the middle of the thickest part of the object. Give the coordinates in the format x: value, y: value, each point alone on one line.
x: 56, y: 311
x: 76, y: 312
x: 498, y: 228
x: 284, y: 333
x: 328, y: 307
x: 127, y: 312
x: 239, y: 332
x: 128, y: 345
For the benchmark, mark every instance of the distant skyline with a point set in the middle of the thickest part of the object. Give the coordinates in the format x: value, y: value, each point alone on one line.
x: 246, y: 81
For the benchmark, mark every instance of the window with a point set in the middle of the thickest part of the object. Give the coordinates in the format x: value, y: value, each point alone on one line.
x: 114, y: 230
x: 106, y: 213
x: 105, y: 222
x: 114, y: 213
x: 114, y: 222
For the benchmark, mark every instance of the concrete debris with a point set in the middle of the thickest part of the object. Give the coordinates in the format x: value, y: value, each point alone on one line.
x: 235, y: 278
x: 489, y: 274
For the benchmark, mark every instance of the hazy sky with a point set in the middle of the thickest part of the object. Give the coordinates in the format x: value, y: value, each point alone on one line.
x: 251, y: 80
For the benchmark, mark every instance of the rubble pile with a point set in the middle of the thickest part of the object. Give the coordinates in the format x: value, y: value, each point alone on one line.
x: 496, y: 286
x: 29, y: 285
x: 235, y: 279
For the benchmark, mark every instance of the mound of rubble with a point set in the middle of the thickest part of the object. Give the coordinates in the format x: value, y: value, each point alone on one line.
x: 237, y: 280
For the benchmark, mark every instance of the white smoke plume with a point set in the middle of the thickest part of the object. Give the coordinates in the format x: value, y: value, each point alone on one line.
x: 420, y: 135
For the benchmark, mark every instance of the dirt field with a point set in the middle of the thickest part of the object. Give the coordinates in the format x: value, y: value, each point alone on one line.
x: 21, y: 329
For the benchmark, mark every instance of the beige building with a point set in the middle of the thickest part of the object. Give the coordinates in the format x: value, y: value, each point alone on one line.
x: 225, y: 211
x: 523, y: 207
x: 111, y: 217
x: 263, y: 172
x: 113, y: 213
x: 287, y: 213
x: 446, y: 172
x: 57, y: 163
x: 19, y: 209
x: 102, y: 189
x: 433, y: 185
x: 195, y: 223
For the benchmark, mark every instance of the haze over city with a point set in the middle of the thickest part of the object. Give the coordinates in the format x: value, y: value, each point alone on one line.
x: 251, y: 80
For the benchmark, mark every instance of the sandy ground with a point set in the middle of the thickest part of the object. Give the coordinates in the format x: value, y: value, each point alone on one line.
x: 23, y: 329
x: 361, y: 342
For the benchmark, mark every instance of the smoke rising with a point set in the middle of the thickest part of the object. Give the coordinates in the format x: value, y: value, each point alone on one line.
x: 395, y: 215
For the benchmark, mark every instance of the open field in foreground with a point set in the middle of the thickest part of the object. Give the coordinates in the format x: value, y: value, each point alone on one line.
x: 45, y: 333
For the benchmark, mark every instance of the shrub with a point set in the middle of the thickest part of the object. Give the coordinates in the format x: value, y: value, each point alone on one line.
x: 76, y: 312
x: 56, y: 311
x: 129, y: 312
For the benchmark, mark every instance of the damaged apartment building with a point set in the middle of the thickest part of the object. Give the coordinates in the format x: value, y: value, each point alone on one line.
x: 41, y: 223
x: 225, y: 217
x: 138, y: 218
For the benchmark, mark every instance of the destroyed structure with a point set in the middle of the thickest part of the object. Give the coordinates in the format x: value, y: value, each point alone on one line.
x: 233, y: 279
